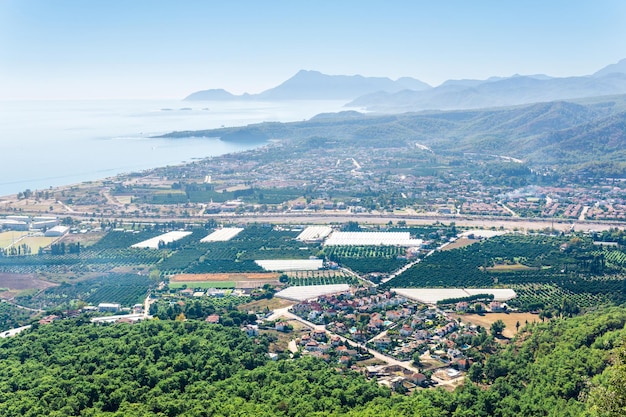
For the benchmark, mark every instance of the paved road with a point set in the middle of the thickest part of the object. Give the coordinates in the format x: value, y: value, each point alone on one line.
x: 484, y: 222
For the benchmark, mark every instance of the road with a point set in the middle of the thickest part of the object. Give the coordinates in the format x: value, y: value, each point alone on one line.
x: 146, y: 307
x: 401, y: 270
x: 284, y: 312
x: 480, y: 222
x: 34, y: 310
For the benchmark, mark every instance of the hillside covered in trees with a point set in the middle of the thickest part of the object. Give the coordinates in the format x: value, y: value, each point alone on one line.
x: 170, y: 368
x: 570, y: 136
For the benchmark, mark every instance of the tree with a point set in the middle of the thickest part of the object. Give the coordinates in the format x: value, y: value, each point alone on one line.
x: 497, y: 327
x: 155, y: 274
x: 609, y: 399
x: 475, y: 372
x: 416, y: 359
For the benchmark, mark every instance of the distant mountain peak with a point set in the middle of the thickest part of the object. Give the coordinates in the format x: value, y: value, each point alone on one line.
x: 619, y: 68
x: 315, y: 85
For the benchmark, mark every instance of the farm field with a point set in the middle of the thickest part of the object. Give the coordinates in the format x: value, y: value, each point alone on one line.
x: 7, y: 238
x: 37, y: 242
x: 126, y: 289
x: 543, y: 270
x: 265, y: 304
x: 459, y: 243
x: 85, y: 239
x: 124, y: 199
x: 202, y: 284
x: 18, y: 282
x: 252, y: 276
x: 368, y: 259
x: 322, y: 277
x: 509, y: 319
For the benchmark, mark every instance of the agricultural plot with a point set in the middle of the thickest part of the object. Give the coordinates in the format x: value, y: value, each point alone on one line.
x: 238, y: 280
x: 223, y: 235
x: 164, y: 239
x: 9, y: 238
x: 314, y: 233
x: 372, y: 239
x: 324, y: 277
x: 37, y: 242
x: 126, y: 289
x: 202, y: 284
x: 543, y: 270
x: 269, y: 276
x: 614, y: 257
x: 538, y: 295
x: 12, y: 284
x: 368, y: 259
x: 291, y: 264
x: 254, y: 242
x: 123, y: 238
x: 433, y: 295
x: 309, y: 292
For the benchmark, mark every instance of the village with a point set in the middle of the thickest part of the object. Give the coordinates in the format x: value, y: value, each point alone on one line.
x: 404, y: 344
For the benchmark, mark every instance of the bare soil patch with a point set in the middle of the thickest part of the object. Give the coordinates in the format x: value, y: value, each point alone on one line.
x: 513, y: 267
x: 85, y: 239
x: 254, y: 284
x: 261, y: 305
x: 460, y: 243
x: 509, y: 319
x: 20, y: 282
x: 259, y: 276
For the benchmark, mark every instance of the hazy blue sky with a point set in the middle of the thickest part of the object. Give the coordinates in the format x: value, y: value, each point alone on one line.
x: 163, y: 49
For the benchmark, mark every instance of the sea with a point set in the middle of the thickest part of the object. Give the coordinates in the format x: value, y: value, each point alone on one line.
x: 45, y: 144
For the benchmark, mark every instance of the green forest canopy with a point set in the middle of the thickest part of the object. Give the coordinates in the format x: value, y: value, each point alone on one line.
x: 170, y: 368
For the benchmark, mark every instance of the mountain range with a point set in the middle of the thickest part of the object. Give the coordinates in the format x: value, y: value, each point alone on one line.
x: 313, y: 85
x: 381, y: 94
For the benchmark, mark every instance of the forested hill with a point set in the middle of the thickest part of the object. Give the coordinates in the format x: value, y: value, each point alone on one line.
x: 566, y: 135
x: 169, y: 368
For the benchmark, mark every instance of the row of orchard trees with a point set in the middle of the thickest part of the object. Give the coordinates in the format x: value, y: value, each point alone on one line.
x: 16, y: 250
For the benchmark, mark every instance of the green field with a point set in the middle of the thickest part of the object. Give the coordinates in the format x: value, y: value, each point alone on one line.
x: 202, y: 284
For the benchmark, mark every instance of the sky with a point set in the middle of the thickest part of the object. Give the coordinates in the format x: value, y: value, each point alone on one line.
x: 145, y: 49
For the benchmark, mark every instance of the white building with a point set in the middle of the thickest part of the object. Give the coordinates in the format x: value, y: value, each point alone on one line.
x: 113, y: 307
x: 57, y: 231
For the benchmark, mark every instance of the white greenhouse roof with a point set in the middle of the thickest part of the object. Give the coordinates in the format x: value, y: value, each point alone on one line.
x: 291, y: 264
x: 314, y: 233
x: 166, y: 238
x: 222, y: 235
x: 372, y: 239
x: 311, y: 291
x: 432, y: 295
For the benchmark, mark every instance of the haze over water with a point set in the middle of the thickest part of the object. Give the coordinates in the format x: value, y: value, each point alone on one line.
x: 51, y: 143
